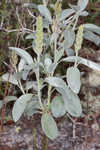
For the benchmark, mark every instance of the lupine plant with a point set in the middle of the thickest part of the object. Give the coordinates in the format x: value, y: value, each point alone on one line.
x: 57, y: 39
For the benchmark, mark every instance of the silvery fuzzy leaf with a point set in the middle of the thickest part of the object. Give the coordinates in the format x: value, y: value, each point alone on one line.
x: 82, y: 4
x: 69, y: 36
x: 92, y: 27
x: 47, y: 63
x: 66, y: 13
x: 18, y: 75
x: 45, y: 2
x: 10, y: 78
x: 71, y: 102
x: 53, y: 37
x: 52, y: 67
x: 45, y: 12
x: 88, y: 35
x: 69, y: 52
x: 46, y: 40
x: 1, y: 104
x: 49, y: 126
x: 22, y: 53
x: 30, y: 36
x: 83, y: 61
x: 56, y: 82
x: 31, y: 84
x: 32, y: 107
x: 83, y: 13
x: 21, y: 64
x: 59, y: 54
x: 74, y: 7
x: 10, y: 98
x: 57, y: 107
x: 30, y: 5
x: 20, y: 106
x: 25, y: 74
x: 73, y: 79
x: 45, y: 23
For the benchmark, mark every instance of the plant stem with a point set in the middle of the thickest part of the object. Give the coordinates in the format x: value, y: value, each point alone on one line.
x: 76, y: 20
x: 55, y: 49
x: 20, y: 86
x: 49, y: 94
x: 38, y: 81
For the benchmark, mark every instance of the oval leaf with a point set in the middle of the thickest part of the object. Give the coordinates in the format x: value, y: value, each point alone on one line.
x: 92, y: 27
x: 22, y: 53
x: 56, y: 82
x: 30, y: 5
x: 59, y: 54
x: 49, y: 126
x: 47, y: 63
x: 69, y: 52
x: 69, y: 36
x: 66, y: 13
x: 10, y: 78
x: 83, y: 61
x: 21, y: 65
x: 82, y: 4
x: 71, y: 102
x: 73, y: 79
x: 20, y: 106
x: 83, y: 13
x: 88, y: 35
x: 45, y: 12
x: 57, y: 107
x: 32, y: 107
x: 10, y: 98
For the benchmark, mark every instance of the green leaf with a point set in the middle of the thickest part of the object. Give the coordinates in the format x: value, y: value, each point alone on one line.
x: 1, y: 104
x: 83, y: 13
x: 82, y: 4
x: 30, y: 5
x: 69, y: 52
x: 47, y: 63
x: 22, y: 53
x: 57, y: 107
x: 59, y: 54
x: 31, y: 84
x: 53, y: 37
x: 52, y: 67
x: 66, y: 13
x: 49, y: 126
x: 71, y: 102
x: 69, y: 36
x: 73, y: 79
x: 20, y: 106
x: 21, y: 64
x: 83, y: 61
x: 74, y: 7
x: 92, y: 27
x: 31, y: 36
x: 10, y: 78
x: 56, y: 82
x: 10, y: 98
x: 32, y: 107
x: 45, y: 12
x: 88, y: 35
